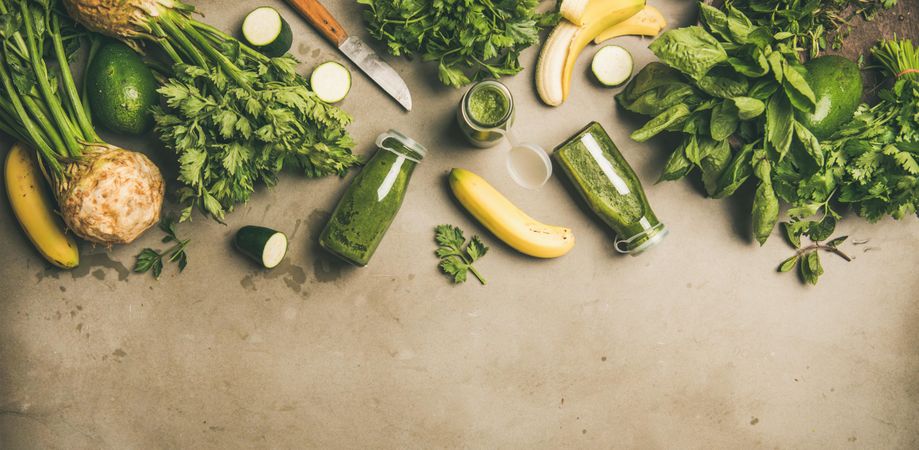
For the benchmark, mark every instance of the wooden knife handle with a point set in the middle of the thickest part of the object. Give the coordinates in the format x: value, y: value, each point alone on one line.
x: 322, y: 19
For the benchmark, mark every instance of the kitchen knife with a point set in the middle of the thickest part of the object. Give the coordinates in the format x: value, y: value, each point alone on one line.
x: 355, y: 49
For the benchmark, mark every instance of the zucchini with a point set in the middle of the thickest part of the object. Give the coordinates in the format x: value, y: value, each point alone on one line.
x: 264, y: 245
x: 612, y: 65
x: 331, y: 82
x: 268, y: 32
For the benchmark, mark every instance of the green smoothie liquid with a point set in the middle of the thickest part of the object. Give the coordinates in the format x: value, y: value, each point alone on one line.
x: 371, y: 203
x: 488, y: 106
x: 485, y: 113
x: 606, y: 181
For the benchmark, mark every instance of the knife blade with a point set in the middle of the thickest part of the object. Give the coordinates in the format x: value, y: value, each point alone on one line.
x: 356, y: 50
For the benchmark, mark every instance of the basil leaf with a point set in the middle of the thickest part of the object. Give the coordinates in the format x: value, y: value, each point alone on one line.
x: 779, y: 125
x: 810, y: 142
x: 765, y: 204
x: 821, y: 231
x: 799, y: 92
x: 794, y: 230
x: 811, y: 268
x: 789, y: 264
x: 763, y: 89
x: 835, y: 243
x: 777, y: 64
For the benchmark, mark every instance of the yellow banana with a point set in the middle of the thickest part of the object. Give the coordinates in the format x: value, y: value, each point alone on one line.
x: 600, y: 15
x: 34, y: 209
x: 565, y: 44
x: 506, y: 221
x: 648, y: 22
x: 573, y: 10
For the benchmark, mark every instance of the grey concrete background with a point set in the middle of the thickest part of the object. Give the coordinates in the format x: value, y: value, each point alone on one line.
x: 697, y: 344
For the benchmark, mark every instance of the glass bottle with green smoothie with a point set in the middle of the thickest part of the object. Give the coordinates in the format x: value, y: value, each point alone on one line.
x: 373, y: 199
x: 606, y: 181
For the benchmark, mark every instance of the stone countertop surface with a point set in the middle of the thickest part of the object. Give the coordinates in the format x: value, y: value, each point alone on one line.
x: 696, y: 344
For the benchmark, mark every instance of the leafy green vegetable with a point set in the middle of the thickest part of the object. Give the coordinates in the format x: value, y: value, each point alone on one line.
x: 233, y: 116
x: 737, y: 118
x: 457, y: 256
x: 691, y: 50
x: 151, y: 260
x: 725, y: 85
x: 469, y: 39
x: 813, y: 24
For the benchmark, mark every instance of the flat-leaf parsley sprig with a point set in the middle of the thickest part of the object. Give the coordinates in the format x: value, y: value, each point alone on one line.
x: 456, y: 255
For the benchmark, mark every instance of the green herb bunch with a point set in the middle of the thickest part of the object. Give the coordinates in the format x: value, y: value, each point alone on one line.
x: 877, y: 154
x: 816, y: 24
x: 469, y: 39
x: 237, y: 118
x: 732, y: 88
x: 872, y: 163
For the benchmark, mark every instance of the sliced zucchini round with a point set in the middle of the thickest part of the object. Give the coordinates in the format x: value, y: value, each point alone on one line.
x: 331, y: 82
x: 612, y: 65
x: 268, y: 32
x: 264, y: 245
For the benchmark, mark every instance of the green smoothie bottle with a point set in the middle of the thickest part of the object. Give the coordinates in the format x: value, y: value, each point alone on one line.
x: 606, y: 181
x: 371, y: 203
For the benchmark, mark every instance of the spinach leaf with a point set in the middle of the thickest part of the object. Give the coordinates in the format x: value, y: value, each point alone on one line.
x: 691, y: 50
x: 664, y: 120
x: 748, y: 107
x: 678, y: 165
x: 724, y: 120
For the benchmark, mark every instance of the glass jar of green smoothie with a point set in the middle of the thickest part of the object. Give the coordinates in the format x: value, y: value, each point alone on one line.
x: 606, y: 181
x: 486, y: 113
x: 373, y: 199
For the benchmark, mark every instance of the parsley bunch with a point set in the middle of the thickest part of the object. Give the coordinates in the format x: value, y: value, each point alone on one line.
x: 470, y: 39
x: 815, y: 24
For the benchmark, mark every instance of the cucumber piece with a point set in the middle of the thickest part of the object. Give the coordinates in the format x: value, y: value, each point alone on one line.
x: 264, y: 245
x: 612, y: 65
x: 331, y: 82
x: 265, y: 30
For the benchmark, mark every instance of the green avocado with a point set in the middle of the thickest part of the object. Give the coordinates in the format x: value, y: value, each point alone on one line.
x: 837, y: 85
x: 121, y: 89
